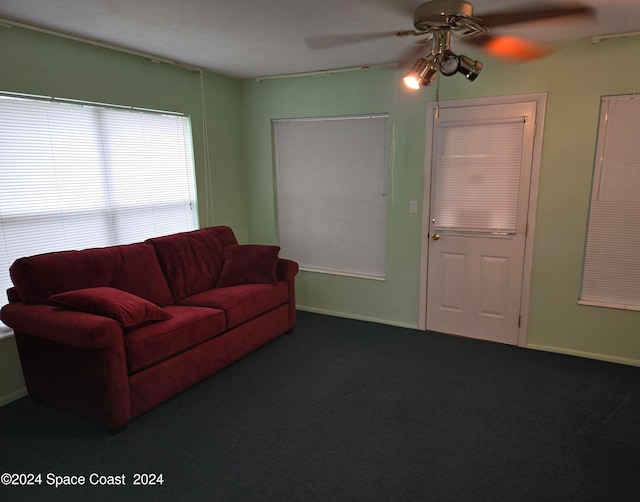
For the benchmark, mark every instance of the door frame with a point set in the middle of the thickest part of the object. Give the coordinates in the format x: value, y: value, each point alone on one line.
x: 541, y: 102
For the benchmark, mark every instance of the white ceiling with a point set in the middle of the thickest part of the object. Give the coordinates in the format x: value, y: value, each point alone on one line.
x: 250, y: 38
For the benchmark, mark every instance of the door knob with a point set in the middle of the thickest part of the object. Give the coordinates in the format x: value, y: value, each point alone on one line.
x: 435, y: 237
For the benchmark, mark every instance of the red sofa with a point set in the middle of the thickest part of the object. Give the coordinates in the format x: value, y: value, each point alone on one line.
x: 112, y: 332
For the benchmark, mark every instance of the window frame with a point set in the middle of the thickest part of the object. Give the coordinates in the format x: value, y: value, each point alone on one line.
x: 373, y: 265
x: 118, y: 158
x: 610, y: 271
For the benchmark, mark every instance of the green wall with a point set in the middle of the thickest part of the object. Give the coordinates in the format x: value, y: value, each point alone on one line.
x: 11, y: 381
x: 574, y: 78
x: 36, y: 63
x: 373, y: 91
x: 238, y: 118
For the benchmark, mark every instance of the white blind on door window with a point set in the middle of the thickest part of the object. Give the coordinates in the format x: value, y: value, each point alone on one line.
x: 611, y: 275
x: 74, y: 176
x: 331, y: 179
x: 477, y: 175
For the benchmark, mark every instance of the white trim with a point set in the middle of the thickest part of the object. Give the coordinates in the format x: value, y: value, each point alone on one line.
x: 95, y: 104
x: 13, y: 396
x: 432, y: 109
x: 327, y: 73
x: 6, y: 22
x: 610, y: 275
x: 331, y: 118
x: 589, y: 355
x: 601, y: 38
x: 5, y: 332
x: 534, y: 186
x: 356, y: 317
x: 343, y: 274
x: 619, y: 306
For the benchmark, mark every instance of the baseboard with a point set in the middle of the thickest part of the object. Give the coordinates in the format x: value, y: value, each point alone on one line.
x: 545, y: 348
x: 345, y: 315
x: 13, y: 396
x: 587, y: 355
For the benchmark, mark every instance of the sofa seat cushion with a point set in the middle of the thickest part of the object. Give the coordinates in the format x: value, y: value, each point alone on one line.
x: 243, y: 302
x: 188, y: 327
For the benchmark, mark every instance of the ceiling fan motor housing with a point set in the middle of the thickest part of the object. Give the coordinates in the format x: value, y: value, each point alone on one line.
x: 453, y: 15
x: 435, y: 14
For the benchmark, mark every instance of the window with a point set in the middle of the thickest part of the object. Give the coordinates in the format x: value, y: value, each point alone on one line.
x: 611, y: 274
x: 77, y: 175
x: 331, y: 193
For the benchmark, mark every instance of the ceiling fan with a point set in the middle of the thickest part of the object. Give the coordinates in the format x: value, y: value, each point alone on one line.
x: 438, y: 20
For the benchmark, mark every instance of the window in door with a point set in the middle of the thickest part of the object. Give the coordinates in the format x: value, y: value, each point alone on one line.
x: 476, y: 186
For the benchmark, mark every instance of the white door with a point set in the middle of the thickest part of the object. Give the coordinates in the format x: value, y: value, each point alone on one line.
x: 481, y: 164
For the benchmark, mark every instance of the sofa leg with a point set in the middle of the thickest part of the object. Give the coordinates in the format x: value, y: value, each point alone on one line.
x: 117, y: 430
x: 36, y: 399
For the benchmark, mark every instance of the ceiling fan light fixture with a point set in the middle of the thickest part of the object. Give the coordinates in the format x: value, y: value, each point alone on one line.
x: 422, y: 73
x: 469, y: 68
x: 413, y: 78
x: 431, y: 75
x: 438, y: 20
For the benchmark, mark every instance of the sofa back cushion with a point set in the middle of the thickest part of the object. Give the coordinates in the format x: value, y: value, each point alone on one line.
x: 133, y: 268
x: 225, y: 235
x: 192, y: 261
x: 250, y: 263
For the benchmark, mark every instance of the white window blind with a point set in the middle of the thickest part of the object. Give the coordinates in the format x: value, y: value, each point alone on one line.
x: 477, y: 176
x: 331, y: 183
x: 74, y: 176
x: 611, y: 274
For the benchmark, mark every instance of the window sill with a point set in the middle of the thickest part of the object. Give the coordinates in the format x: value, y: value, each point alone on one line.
x: 5, y: 332
x: 619, y: 306
x: 343, y: 274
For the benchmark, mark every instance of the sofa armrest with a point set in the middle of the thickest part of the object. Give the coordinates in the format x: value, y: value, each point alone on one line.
x: 287, y: 270
x: 78, y: 329
x: 73, y: 360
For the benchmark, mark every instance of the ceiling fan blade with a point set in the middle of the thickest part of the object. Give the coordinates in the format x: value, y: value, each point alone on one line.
x: 511, y: 48
x: 406, y: 9
x: 330, y: 41
x: 537, y: 14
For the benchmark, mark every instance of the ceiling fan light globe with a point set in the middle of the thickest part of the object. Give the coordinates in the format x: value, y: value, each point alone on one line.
x: 449, y: 64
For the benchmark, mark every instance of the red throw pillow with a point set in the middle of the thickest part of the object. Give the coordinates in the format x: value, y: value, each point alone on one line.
x: 127, y: 309
x: 249, y: 263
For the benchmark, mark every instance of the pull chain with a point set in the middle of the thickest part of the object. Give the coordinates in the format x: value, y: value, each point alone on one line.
x: 438, y: 96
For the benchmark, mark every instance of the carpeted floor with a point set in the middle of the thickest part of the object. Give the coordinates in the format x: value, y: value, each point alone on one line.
x: 349, y: 410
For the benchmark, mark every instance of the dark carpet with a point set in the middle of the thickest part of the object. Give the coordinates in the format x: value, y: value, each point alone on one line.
x: 349, y: 410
